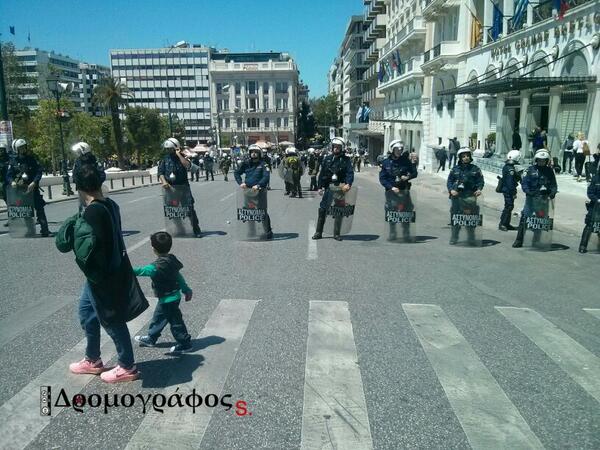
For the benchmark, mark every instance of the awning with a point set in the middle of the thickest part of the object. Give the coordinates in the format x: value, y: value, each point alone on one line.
x: 516, y: 84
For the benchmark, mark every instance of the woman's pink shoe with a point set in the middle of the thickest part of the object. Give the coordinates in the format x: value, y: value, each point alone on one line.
x: 85, y: 366
x: 119, y: 374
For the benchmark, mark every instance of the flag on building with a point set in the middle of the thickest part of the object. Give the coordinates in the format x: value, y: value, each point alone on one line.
x: 496, y: 29
x: 381, y: 73
x: 520, y: 12
x: 561, y: 6
x: 399, y: 62
x: 394, y: 62
x: 476, y: 29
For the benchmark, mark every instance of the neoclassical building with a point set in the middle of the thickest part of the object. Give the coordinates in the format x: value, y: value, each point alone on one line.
x: 511, y: 73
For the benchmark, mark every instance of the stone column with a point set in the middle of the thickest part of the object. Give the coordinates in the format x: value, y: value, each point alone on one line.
x: 271, y: 96
x: 243, y: 96
x: 593, y: 106
x: 260, y: 96
x: 524, y: 124
x: 501, y: 128
x: 483, y: 121
x: 554, y: 119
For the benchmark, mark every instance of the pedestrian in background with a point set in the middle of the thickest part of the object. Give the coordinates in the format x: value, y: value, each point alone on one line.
x: 441, y: 156
x: 567, y: 149
x: 453, y: 147
x: 581, y: 149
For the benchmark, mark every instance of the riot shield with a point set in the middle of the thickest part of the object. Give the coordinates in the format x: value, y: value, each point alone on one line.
x: 595, y: 224
x: 20, y: 210
x: 286, y: 174
x: 466, y: 220
x: 340, y: 208
x: 178, y: 207
x: 400, y: 216
x: 252, y: 220
x: 538, y: 215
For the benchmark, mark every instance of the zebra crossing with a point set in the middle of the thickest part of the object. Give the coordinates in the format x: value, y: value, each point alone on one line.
x: 335, y: 413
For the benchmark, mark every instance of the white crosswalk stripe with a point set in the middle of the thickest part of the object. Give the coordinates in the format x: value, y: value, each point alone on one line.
x: 486, y: 414
x: 581, y: 364
x: 20, y: 416
x: 335, y: 412
x: 229, y: 321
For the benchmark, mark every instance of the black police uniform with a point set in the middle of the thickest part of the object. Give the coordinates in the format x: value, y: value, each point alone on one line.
x: 171, y: 164
x: 28, y: 164
x: 466, y: 179
x: 539, y: 184
x: 593, y: 193
x: 313, y: 170
x: 341, y: 167
x: 208, y: 166
x: 392, y: 170
x: 256, y: 172
x: 510, y: 181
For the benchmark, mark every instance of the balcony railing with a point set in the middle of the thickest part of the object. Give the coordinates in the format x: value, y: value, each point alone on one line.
x: 543, y: 11
x: 427, y: 56
x: 437, y: 50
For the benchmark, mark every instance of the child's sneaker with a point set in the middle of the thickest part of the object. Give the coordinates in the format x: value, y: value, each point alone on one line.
x: 85, y: 366
x: 181, y: 348
x: 119, y: 374
x: 145, y: 341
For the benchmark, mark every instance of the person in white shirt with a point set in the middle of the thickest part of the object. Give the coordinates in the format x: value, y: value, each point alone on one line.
x: 578, y: 148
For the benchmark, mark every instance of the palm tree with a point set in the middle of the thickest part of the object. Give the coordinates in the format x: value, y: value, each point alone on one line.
x: 111, y: 93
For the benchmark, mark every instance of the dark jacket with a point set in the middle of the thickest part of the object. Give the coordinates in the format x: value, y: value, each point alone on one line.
x: 510, y: 179
x: 256, y: 173
x: 88, y: 158
x: 339, y: 165
x: 171, y: 164
x: 593, y: 190
x: 165, y: 280
x: 467, y: 174
x: 24, y: 164
x: 536, y: 177
x: 393, y: 169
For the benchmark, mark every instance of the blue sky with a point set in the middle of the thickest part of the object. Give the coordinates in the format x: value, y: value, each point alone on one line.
x: 311, y: 30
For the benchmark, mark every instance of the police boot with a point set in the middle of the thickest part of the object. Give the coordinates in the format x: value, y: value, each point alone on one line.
x: 585, y: 238
x: 337, y: 228
x: 406, y: 232
x: 392, y: 236
x: 454, y: 235
x: 320, y: 224
x: 45, y: 232
x: 267, y: 227
x: 504, y: 218
x: 196, y: 224
x: 520, y: 235
x: 299, y: 192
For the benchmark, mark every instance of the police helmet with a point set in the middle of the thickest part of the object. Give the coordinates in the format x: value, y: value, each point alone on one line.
x: 396, y: 143
x: 255, y: 148
x: 337, y: 141
x: 171, y: 143
x: 514, y: 156
x: 290, y: 151
x: 462, y: 151
x: 80, y: 148
x: 311, y: 151
x: 542, y: 154
x: 17, y: 144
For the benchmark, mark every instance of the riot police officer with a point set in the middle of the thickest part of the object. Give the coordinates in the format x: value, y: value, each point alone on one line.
x: 209, y: 161
x: 465, y: 180
x: 510, y: 181
x: 256, y: 177
x: 172, y: 171
x: 336, y: 169
x: 539, y: 180
x: 293, y: 165
x: 83, y: 154
x: 26, y: 171
x: 224, y: 165
x: 4, y: 163
x: 593, y: 193
x: 313, y: 164
x: 396, y: 172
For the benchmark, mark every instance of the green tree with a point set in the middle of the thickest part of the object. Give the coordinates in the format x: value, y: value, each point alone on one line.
x: 147, y: 130
x: 326, y: 111
x: 45, y: 140
x: 111, y: 94
x: 15, y: 76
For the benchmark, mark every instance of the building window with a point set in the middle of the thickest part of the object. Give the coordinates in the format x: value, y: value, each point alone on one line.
x: 238, y: 103
x: 279, y: 122
x: 282, y: 104
x: 266, y: 103
x: 239, y: 123
x: 286, y: 122
x: 267, y: 122
x: 251, y: 104
x: 281, y: 87
x: 252, y: 122
x: 251, y: 88
x: 238, y: 88
x: 266, y: 88
x: 219, y: 88
x: 227, y: 123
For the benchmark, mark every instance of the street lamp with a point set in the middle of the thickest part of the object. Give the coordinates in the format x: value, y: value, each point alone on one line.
x: 58, y: 88
x: 180, y: 44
